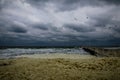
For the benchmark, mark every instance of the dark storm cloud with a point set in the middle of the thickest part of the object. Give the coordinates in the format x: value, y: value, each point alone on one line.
x: 92, y: 2
x: 11, y: 27
x: 116, y: 29
x: 79, y: 28
x: 65, y: 5
x: 108, y: 22
x: 41, y: 26
x: 40, y: 4
x: 68, y: 5
x: 116, y: 2
x: 47, y: 27
x: 59, y: 22
x: 74, y: 4
x: 17, y: 29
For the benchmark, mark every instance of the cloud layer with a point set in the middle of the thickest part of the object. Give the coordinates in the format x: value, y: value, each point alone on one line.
x: 60, y: 23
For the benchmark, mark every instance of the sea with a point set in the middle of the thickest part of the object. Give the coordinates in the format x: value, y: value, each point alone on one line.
x: 14, y: 52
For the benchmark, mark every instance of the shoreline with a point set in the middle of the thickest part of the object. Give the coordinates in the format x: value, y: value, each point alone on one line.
x: 57, y: 55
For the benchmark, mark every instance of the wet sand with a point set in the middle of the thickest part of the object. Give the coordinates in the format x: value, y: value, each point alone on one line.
x: 57, y: 55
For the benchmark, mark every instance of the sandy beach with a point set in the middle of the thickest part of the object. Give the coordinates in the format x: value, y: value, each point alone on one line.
x: 60, y: 67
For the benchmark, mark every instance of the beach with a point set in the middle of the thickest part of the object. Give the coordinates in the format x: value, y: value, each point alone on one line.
x: 60, y: 67
x: 59, y: 39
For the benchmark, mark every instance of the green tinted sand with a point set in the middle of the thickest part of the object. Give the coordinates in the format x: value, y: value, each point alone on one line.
x: 47, y: 68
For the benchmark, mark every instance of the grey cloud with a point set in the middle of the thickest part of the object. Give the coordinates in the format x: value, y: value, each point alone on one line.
x: 47, y: 27
x: 11, y: 27
x: 62, y: 36
x: 79, y: 28
x: 17, y: 29
x: 74, y: 4
x: 38, y: 3
x: 108, y: 23
x: 41, y: 26
x: 56, y: 28
x: 115, y: 2
x: 117, y: 29
x: 68, y: 5
x: 65, y: 5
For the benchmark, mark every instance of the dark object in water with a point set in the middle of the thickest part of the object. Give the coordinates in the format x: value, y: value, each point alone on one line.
x: 90, y: 51
x: 103, y: 52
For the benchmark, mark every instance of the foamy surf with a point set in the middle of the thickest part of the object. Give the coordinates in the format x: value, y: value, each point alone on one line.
x: 57, y: 55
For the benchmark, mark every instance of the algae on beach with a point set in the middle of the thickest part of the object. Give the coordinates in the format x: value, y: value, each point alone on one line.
x: 60, y: 69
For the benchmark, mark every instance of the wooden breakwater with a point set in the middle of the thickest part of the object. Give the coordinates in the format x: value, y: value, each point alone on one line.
x: 103, y: 52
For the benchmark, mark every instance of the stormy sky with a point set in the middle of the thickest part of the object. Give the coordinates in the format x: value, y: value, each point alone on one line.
x: 59, y: 22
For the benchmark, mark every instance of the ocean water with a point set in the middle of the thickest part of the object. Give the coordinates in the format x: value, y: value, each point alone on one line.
x: 13, y: 52
x: 112, y: 48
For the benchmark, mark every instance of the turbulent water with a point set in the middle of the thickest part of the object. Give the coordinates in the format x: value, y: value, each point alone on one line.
x: 13, y: 52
